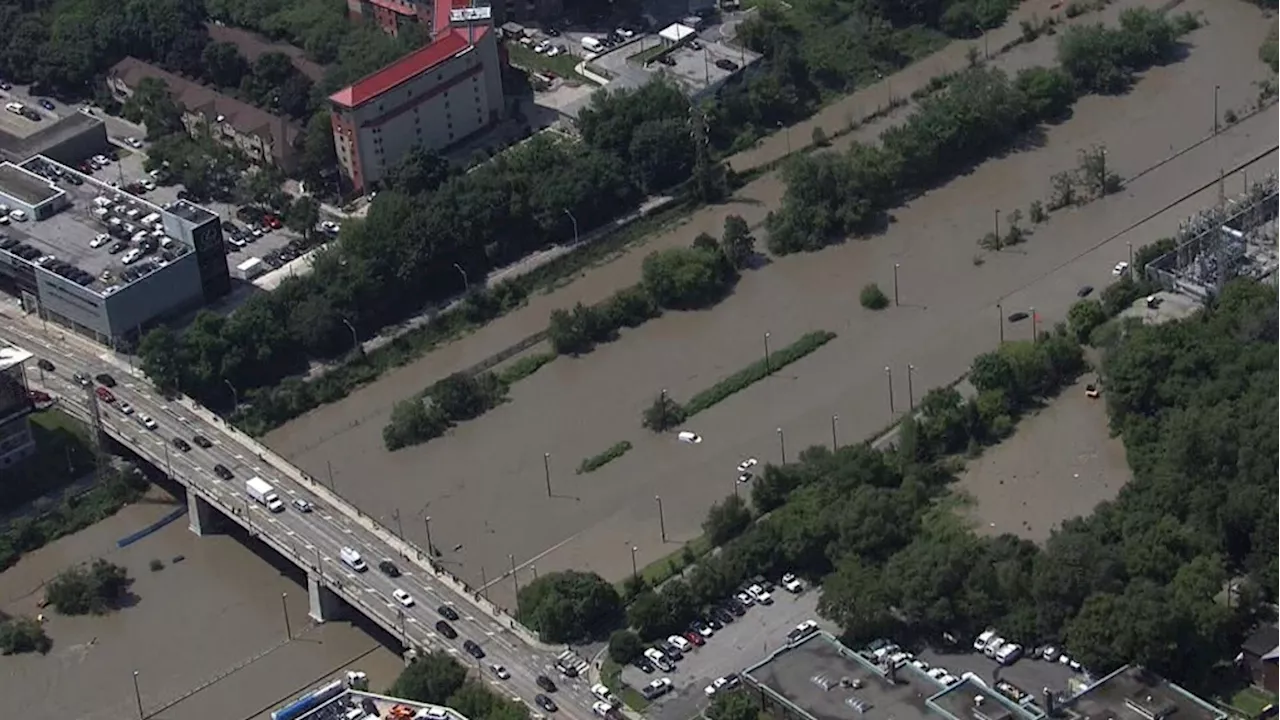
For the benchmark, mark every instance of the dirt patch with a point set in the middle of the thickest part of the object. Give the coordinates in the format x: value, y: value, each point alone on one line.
x: 1060, y: 464
x: 484, y: 484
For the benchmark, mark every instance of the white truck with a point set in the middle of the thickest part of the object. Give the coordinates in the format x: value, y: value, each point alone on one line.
x: 263, y: 494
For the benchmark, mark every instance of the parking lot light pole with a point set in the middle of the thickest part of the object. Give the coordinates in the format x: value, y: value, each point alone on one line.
x: 888, y: 373
x: 635, y: 570
x: 835, y: 444
x: 895, y: 284
x: 1033, y: 324
x: 546, y: 469
x: 662, y: 520
x: 1000, y: 317
x: 137, y: 696
x: 782, y: 444
x: 426, y: 522
x: 768, y: 367
x: 284, y: 606
x: 911, y: 391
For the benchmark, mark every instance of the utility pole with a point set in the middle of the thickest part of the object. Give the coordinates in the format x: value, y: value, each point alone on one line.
x: 635, y: 572
x: 1000, y: 317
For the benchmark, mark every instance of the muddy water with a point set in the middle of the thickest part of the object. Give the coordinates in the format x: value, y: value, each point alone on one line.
x: 191, y: 624
x: 483, y: 485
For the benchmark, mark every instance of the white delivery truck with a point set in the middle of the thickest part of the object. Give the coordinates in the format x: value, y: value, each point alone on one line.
x: 263, y: 494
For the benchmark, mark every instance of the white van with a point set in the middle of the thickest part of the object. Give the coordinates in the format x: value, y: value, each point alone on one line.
x: 601, y: 709
x: 353, y: 560
x: 151, y: 219
x: 602, y: 692
x: 591, y: 44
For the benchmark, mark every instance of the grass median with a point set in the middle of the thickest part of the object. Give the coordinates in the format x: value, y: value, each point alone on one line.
x: 611, y: 677
x: 595, y: 462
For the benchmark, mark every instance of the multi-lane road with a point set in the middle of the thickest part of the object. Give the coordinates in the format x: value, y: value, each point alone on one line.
x: 314, y: 539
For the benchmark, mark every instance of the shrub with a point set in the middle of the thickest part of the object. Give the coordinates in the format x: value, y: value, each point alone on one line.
x: 873, y: 298
x: 92, y: 590
x: 595, y: 462
x: 23, y: 635
x: 757, y: 371
x: 624, y: 646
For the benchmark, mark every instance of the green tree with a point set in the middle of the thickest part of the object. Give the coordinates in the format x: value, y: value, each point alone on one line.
x: 153, y: 106
x: 303, y: 215
x: 317, y: 157
x: 88, y: 590
x: 685, y: 278
x: 223, y: 65
x: 569, y: 606
x: 733, y: 706
x: 648, y: 615
x: 726, y: 520
x: 431, y: 678
x: 421, y: 171
x: 1083, y: 317
x: 872, y: 297
x: 854, y: 597
x: 624, y: 646
x: 663, y: 414
x: 737, y: 243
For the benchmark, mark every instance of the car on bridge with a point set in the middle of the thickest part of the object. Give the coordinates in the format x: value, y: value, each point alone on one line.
x: 221, y: 471
x: 105, y: 379
x: 44, y: 365
x: 125, y: 408
x: 446, y: 630
x: 148, y: 422
x: 301, y: 505
x: 473, y: 649
x: 181, y: 444
x: 105, y: 395
x: 448, y: 612
x: 402, y: 597
x: 202, y: 441
x: 389, y: 568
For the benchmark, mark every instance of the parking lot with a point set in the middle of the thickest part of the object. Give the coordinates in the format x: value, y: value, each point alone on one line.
x: 1030, y: 676
x: 733, y: 648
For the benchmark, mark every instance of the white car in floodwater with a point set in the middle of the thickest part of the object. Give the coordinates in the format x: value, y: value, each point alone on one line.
x: 692, y: 438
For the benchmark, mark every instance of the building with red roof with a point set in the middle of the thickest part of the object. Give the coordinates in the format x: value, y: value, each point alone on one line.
x: 435, y: 97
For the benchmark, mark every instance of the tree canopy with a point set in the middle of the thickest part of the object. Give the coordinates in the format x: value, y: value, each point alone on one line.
x: 439, y: 680
x: 569, y: 606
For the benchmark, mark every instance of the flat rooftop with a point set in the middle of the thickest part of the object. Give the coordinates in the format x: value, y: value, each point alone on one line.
x: 21, y: 138
x: 1132, y: 693
x: 66, y: 235
x: 338, y: 707
x: 827, y: 681
x: 696, y: 70
x: 970, y: 700
x: 22, y: 185
x: 12, y: 356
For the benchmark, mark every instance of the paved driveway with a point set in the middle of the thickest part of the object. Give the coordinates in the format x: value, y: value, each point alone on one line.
x: 732, y: 649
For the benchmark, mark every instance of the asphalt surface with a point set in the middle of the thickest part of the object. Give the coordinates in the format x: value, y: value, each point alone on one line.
x: 314, y: 539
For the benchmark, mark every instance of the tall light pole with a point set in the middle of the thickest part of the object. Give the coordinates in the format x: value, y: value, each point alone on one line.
x: 635, y: 570
x: 911, y: 391
x: 782, y: 444
x: 1216, y: 88
x: 888, y: 373
x: 663, y: 403
x: 835, y: 444
x: 662, y: 520
x: 575, y: 225
x: 466, y: 282
x: 515, y: 580
x: 284, y: 606
x: 137, y: 696
x: 768, y: 367
x: 426, y: 522
x: 1000, y: 317
x: 399, y: 526
x: 1132, y: 272
x: 997, y: 228
x: 235, y: 396
x: 895, y: 283
x: 355, y: 338
x: 1033, y: 324
x: 546, y: 470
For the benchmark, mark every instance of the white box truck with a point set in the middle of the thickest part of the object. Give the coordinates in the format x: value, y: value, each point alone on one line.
x: 263, y: 494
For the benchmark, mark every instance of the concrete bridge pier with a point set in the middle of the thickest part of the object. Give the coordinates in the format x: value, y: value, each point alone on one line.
x: 325, y: 604
x: 202, y: 517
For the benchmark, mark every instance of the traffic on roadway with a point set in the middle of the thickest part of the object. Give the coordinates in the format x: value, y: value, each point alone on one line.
x: 402, y: 592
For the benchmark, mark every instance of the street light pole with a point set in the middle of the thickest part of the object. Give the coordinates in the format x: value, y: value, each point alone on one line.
x: 355, y: 339
x: 329, y: 466
x: 466, y: 282
x: 235, y: 397
x: 768, y: 366
x: 284, y: 606
x: 888, y: 372
x: 1000, y: 317
x: 635, y: 571
x: 662, y: 520
x: 546, y: 470
x: 782, y: 444
x: 1132, y: 272
x: 663, y: 403
x: 399, y: 525
x: 997, y: 228
x: 835, y: 444
x: 1216, y: 88
x: 137, y: 696
x: 1033, y: 324
x: 575, y: 225
x: 895, y: 284
x: 426, y: 522
x: 911, y: 391
x: 515, y: 580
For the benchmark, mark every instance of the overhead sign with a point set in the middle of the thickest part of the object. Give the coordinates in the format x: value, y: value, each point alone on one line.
x: 471, y: 14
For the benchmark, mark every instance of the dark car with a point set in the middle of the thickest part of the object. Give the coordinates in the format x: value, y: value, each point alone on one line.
x: 389, y: 569
x: 726, y: 64
x: 671, y: 651
x: 546, y: 683
x: 105, y: 379
x: 448, y: 612
x: 1084, y: 291
x: 222, y: 472
x: 473, y: 649
x: 44, y: 365
x: 47, y: 104
x: 643, y: 664
x: 551, y: 32
x: 181, y: 444
x: 117, y: 248
x: 446, y: 630
x: 1018, y: 316
x: 723, y: 615
x: 545, y: 703
x: 202, y: 441
x: 736, y: 607
x: 713, y: 622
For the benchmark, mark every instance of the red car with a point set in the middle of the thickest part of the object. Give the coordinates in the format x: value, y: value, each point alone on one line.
x: 39, y: 397
x: 695, y: 638
x: 270, y: 222
x: 105, y: 395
